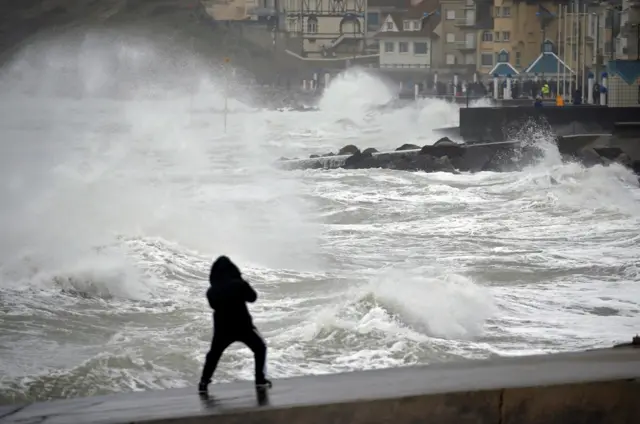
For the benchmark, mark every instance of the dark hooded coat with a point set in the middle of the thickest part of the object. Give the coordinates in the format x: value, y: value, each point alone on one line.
x: 227, y: 295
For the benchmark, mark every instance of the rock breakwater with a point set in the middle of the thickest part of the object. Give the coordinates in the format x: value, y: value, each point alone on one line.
x: 448, y: 156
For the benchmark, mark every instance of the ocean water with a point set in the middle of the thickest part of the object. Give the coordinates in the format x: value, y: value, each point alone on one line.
x: 120, y: 185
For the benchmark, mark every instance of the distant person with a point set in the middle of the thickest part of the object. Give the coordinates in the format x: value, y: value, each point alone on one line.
x: 559, y: 100
x: 538, y: 102
x: 545, y: 90
x: 596, y: 93
x: 577, y: 97
x: 232, y: 322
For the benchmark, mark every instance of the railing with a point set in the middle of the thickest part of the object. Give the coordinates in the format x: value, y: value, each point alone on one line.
x: 465, y: 22
x: 404, y: 66
x: 465, y: 44
x: 336, y: 41
x: 324, y: 35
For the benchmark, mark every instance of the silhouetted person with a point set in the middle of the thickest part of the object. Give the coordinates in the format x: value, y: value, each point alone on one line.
x: 577, y: 97
x: 538, y: 102
x: 596, y: 93
x: 232, y: 321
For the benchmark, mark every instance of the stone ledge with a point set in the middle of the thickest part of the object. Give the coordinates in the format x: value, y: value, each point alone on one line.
x: 580, y: 387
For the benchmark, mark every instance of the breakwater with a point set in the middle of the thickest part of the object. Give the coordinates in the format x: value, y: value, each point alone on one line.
x: 448, y: 156
x: 599, y: 386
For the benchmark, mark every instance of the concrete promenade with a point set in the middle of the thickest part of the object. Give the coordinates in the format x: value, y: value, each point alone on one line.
x: 599, y: 386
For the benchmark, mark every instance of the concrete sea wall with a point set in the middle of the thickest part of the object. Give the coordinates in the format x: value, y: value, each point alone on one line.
x: 500, y: 124
x: 600, y: 386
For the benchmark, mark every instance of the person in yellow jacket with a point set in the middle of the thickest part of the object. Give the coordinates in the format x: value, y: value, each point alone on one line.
x: 545, y: 90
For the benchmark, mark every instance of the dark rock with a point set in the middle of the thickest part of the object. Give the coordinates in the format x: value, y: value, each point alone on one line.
x: 445, y: 141
x: 611, y: 153
x: 407, y: 147
x: 370, y: 150
x: 400, y: 162
x: 314, y: 156
x: 589, y: 157
x: 283, y: 158
x: 328, y: 154
x: 450, y: 150
x: 503, y: 161
x: 625, y: 160
x: 361, y: 160
x: 349, y: 149
x: 434, y: 164
x: 316, y: 165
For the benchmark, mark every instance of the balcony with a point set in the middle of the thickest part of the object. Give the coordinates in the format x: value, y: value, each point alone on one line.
x: 332, y: 35
x: 468, y: 45
x: 465, y: 22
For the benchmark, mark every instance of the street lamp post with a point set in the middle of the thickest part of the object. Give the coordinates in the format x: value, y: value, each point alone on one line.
x: 637, y: 41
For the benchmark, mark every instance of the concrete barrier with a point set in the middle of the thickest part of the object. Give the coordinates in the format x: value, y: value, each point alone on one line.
x: 500, y: 124
x: 599, y: 386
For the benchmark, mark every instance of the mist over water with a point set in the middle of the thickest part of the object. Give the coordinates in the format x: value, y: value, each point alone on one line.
x: 119, y: 186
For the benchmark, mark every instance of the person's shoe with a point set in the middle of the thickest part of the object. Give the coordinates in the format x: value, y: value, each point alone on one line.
x: 203, y: 388
x: 263, y: 384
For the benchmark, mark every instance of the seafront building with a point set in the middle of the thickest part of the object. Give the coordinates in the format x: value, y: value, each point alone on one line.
x: 454, y: 42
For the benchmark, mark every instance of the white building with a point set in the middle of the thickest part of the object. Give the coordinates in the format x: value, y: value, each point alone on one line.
x: 407, y: 38
x: 327, y: 28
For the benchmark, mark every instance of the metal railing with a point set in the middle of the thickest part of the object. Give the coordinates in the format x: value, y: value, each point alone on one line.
x: 465, y: 22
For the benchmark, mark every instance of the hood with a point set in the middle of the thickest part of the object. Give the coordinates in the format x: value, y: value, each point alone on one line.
x: 223, y: 269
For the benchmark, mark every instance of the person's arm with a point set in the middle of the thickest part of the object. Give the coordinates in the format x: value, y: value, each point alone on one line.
x: 248, y: 293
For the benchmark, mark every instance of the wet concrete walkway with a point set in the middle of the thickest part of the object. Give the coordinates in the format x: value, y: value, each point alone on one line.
x: 240, y: 398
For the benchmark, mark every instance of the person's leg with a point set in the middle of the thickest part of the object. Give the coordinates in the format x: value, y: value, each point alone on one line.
x: 218, y: 345
x: 255, y: 342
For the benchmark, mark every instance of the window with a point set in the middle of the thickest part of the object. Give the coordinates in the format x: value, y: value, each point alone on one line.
x: 506, y: 35
x: 292, y: 25
x: 403, y: 47
x: 406, y: 25
x: 547, y: 46
x: 487, y: 59
x: 496, y: 37
x: 373, y: 19
x: 417, y: 25
x: 451, y: 59
x: 518, y: 59
x: 506, y: 12
x: 496, y: 12
x: 419, y: 48
x: 390, y: 26
x: 470, y: 17
x: 312, y: 25
x: 451, y: 15
x: 503, y: 56
x: 470, y: 40
x: 487, y: 36
x: 389, y: 47
x: 451, y: 37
